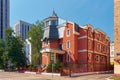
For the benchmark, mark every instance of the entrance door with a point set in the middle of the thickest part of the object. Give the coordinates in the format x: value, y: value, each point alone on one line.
x: 60, y: 58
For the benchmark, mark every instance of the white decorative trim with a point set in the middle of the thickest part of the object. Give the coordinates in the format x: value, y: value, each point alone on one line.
x: 103, y: 43
x: 45, y: 50
x: 90, y: 51
x: 95, y: 52
x: 83, y: 50
x: 90, y: 38
x: 82, y: 37
x: 55, y: 74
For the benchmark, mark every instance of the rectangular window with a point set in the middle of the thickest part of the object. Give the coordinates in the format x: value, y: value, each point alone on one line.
x: 98, y: 47
x: 47, y: 23
x: 102, y: 59
x: 54, y: 22
x: 68, y: 44
x: 68, y: 32
x: 68, y: 58
x: 98, y: 36
x: 97, y: 58
x: 76, y: 28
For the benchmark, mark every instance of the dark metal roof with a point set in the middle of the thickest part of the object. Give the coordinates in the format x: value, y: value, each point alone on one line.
x: 51, y: 32
x: 54, y: 14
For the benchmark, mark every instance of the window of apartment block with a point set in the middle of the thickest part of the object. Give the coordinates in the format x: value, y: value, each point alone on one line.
x: 103, y: 39
x: 97, y: 58
x: 68, y: 32
x: 68, y: 44
x: 98, y: 36
x: 112, y: 53
x: 89, y: 57
x: 76, y: 28
x: 103, y: 48
x: 98, y: 48
x: 89, y: 44
x: 102, y: 59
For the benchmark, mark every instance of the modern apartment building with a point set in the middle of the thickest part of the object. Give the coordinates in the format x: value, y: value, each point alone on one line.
x: 4, y: 17
x: 112, y: 53
x: 28, y: 52
x: 117, y: 37
x: 80, y: 48
x: 21, y: 28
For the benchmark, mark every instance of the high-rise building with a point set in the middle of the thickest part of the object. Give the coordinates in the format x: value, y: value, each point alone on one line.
x: 4, y: 17
x: 111, y: 53
x: 117, y: 37
x: 21, y: 28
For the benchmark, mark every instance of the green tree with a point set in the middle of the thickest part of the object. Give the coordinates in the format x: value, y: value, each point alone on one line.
x: 2, y: 50
x: 35, y: 36
x: 36, y: 59
x: 14, y: 48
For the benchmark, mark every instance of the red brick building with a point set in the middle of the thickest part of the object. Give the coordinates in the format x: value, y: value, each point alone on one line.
x: 81, y: 48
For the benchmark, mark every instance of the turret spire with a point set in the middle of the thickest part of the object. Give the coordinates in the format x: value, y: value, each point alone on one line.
x: 54, y: 14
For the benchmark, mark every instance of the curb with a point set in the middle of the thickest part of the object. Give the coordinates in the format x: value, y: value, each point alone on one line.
x: 28, y: 72
x: 55, y: 74
x: 2, y: 70
x: 89, y: 73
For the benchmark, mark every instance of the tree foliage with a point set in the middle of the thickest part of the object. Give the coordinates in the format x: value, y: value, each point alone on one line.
x: 2, y: 50
x: 14, y: 48
x: 36, y: 59
x: 35, y: 36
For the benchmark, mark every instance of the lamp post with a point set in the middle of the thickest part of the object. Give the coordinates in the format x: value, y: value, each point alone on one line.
x: 52, y: 58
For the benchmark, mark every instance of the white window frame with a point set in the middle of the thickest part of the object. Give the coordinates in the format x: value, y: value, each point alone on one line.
x: 68, y: 32
x: 68, y: 43
x: 68, y: 58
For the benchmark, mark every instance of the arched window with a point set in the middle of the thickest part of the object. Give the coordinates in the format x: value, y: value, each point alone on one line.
x: 68, y: 57
x: 68, y: 44
x: 68, y: 32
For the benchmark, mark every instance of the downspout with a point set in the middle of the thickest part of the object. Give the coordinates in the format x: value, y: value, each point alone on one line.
x: 93, y: 50
x: 87, y: 50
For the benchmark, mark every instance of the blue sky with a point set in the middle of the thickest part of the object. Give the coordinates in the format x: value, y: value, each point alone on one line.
x: 99, y: 13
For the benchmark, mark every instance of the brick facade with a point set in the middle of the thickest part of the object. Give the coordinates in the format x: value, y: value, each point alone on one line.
x: 84, y: 48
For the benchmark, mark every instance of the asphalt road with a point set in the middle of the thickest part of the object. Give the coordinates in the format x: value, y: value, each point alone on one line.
x: 23, y: 76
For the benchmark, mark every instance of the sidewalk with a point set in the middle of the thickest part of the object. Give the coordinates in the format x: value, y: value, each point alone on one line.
x: 89, y: 73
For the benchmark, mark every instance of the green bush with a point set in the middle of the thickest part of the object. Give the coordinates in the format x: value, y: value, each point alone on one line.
x: 49, y: 68
x: 56, y: 66
x: 32, y: 67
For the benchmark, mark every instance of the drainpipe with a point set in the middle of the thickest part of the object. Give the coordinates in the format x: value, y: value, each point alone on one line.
x: 93, y: 51
x: 87, y: 50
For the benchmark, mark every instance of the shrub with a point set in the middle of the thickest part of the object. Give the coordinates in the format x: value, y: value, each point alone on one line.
x: 32, y: 67
x: 49, y: 67
x: 56, y: 66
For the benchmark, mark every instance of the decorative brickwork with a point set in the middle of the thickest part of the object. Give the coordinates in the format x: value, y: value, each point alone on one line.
x: 80, y: 48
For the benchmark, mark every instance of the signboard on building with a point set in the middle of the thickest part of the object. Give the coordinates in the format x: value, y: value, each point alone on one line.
x: 118, y: 53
